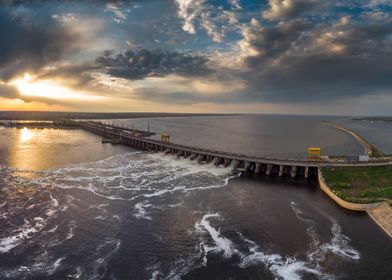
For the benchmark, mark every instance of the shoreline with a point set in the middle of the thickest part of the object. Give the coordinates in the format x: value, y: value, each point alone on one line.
x: 380, y: 212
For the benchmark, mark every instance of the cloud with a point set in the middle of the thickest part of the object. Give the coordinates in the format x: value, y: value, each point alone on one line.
x: 117, y: 9
x: 212, y: 19
x: 298, y: 61
x: 29, y: 42
x: 8, y: 91
x: 142, y: 63
x: 235, y: 4
x: 280, y: 9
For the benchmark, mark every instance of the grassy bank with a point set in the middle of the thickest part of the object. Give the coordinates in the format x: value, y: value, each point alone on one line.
x: 360, y: 184
x: 376, y: 153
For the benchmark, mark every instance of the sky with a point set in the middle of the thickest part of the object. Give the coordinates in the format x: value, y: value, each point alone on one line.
x: 215, y: 56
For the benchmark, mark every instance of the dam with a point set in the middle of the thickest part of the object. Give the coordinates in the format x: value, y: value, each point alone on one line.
x: 245, y: 163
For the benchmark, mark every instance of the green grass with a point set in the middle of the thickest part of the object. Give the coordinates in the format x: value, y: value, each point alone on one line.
x: 377, y: 153
x: 360, y: 184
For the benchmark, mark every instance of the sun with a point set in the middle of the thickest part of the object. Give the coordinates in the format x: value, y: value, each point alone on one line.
x: 51, y: 89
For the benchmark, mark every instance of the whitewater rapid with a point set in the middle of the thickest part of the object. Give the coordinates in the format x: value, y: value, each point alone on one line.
x: 87, y: 206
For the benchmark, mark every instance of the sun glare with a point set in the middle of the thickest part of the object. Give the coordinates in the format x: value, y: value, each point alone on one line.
x: 48, y: 89
x: 25, y: 135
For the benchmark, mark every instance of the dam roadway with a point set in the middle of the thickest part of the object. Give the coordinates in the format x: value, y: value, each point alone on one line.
x: 267, y: 165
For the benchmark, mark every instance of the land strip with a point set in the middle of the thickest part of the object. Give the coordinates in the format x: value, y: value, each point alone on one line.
x: 370, y: 149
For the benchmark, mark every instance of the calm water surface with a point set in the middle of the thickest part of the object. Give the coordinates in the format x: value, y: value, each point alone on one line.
x: 377, y: 133
x: 72, y: 208
x: 269, y: 135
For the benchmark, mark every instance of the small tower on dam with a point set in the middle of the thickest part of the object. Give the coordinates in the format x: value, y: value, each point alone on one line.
x: 314, y: 153
x: 165, y: 138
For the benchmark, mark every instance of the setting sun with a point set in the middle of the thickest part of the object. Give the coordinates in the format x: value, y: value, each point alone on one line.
x: 51, y: 89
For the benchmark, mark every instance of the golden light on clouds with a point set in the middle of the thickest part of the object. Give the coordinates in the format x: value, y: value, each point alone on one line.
x: 50, y: 89
x: 18, y: 104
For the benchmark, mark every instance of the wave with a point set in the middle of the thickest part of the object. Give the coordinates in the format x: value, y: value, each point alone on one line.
x: 26, y: 231
x: 252, y: 254
x: 221, y: 243
x: 42, y: 265
x: 338, y: 245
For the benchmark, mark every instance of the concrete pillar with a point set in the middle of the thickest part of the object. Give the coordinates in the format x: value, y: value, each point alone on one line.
x: 293, y: 171
x: 281, y: 170
x: 307, y: 172
x: 258, y: 168
x: 246, y: 165
x: 226, y: 162
x: 269, y: 169
x: 235, y: 164
x: 193, y: 156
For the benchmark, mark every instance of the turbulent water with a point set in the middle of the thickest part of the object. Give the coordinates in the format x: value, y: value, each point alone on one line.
x: 139, y: 215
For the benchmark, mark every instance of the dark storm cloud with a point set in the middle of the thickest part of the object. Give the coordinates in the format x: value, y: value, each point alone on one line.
x: 302, y: 62
x: 141, y: 63
x: 30, y: 41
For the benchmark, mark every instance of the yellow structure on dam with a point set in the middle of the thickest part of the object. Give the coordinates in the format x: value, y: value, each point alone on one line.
x: 165, y: 138
x: 314, y: 153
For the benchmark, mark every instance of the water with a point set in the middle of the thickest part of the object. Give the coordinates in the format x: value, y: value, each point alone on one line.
x: 376, y: 132
x: 125, y: 214
x: 269, y: 135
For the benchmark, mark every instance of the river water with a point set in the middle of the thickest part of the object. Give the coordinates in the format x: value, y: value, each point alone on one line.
x: 72, y: 208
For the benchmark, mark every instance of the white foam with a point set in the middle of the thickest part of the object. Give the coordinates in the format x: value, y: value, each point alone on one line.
x: 7, y: 243
x: 283, y: 268
x: 338, y: 245
x: 155, y: 274
x: 54, y: 201
x: 71, y: 231
x: 220, y: 243
x: 141, y: 212
x: 77, y: 275
x: 55, y: 266
x: 191, y: 166
x: 53, y: 229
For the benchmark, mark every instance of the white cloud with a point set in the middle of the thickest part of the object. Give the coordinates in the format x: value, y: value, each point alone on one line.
x: 212, y: 20
x: 235, y: 4
x: 116, y: 9
x: 280, y: 9
x: 188, y: 10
